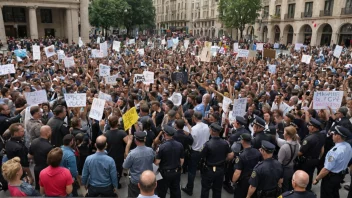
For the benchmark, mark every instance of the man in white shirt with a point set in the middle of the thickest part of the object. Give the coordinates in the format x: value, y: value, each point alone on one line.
x: 200, y: 134
x: 279, y: 104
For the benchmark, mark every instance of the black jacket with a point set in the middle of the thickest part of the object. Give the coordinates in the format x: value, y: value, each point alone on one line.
x: 59, y: 129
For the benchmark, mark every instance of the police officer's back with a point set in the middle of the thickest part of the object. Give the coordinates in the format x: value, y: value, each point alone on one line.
x: 267, y: 175
x: 299, y: 183
x: 58, y: 126
x: 239, y: 129
x: 259, y: 135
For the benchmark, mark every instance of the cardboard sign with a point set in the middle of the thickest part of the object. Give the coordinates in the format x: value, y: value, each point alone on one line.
x: 61, y: 54
x: 104, y: 48
x: 338, y: 51
x: 130, y: 118
x: 180, y: 77
x: 226, y: 103
x: 269, y: 53
x: 116, y: 46
x: 36, y: 97
x: 104, y: 96
x: 325, y: 99
x: 69, y: 62
x: 176, y: 98
x: 49, y: 51
x: 149, y: 77
x: 205, y: 56
x: 252, y: 54
x: 104, y: 70
x: 272, y: 69
x: 97, y: 110
x: 36, y: 52
x: 235, y: 47
x: 306, y: 59
x: 138, y: 78
x: 76, y: 100
x: 260, y: 46
x: 243, y: 53
x: 239, y: 107
x: 111, y: 80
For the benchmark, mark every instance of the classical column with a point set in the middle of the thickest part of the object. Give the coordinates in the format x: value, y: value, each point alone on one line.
x: 69, y: 26
x: 84, y: 17
x: 33, y: 25
x: 2, y: 28
x: 75, y: 32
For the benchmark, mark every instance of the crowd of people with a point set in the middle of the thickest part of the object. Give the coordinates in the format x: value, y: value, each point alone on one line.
x: 271, y: 150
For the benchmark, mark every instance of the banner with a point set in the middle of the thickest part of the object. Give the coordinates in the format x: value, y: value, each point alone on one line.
x: 116, y: 46
x: 7, y: 69
x: 338, y: 51
x: 149, y: 77
x: 239, y: 107
x: 76, y: 100
x: 104, y: 96
x: 130, y: 118
x: 325, y: 99
x: 111, y: 80
x: 306, y: 59
x: 104, y: 70
x: 49, y: 51
x: 243, y: 53
x: 97, y: 109
x: 36, y: 52
x: 69, y: 62
x: 226, y: 103
x: 36, y: 97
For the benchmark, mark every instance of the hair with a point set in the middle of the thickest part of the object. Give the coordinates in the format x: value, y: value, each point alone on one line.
x: 20, y: 102
x: 113, y: 121
x: 10, y: 168
x: 34, y: 109
x: 75, y: 122
x: 180, y: 123
x: 14, y: 128
x: 291, y: 132
x: 59, y: 109
x: 144, y: 108
x: 198, y: 115
x: 4, y: 90
x: 157, y: 103
x: 67, y: 139
x: 147, y: 187
x: 2, y: 106
x: 100, y: 145
x: 169, y: 104
x: 54, y: 157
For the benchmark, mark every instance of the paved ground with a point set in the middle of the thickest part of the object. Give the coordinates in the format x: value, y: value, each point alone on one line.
x: 196, y: 193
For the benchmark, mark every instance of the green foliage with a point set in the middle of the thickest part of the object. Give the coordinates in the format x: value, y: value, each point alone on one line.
x: 238, y: 13
x: 141, y: 13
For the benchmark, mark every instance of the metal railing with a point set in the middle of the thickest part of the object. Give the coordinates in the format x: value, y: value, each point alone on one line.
x: 346, y: 11
x: 306, y: 14
x: 325, y: 13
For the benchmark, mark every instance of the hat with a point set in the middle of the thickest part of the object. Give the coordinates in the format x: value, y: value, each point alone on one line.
x: 271, y: 130
x: 241, y: 120
x: 267, y: 146
x: 259, y: 121
x: 216, y: 128
x: 169, y: 130
x: 342, y: 110
x: 246, y: 137
x: 140, y: 135
x: 341, y: 131
x: 314, y: 122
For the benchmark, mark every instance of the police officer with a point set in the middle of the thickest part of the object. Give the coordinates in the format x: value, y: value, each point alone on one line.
x: 259, y: 134
x: 234, y: 139
x: 267, y: 175
x: 299, y: 183
x: 58, y: 126
x: 308, y: 155
x: 336, y: 162
x: 170, y: 158
x: 214, y: 153
x: 245, y: 162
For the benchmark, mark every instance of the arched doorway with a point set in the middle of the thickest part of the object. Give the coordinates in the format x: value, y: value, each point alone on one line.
x: 346, y: 34
x: 277, y: 34
x: 307, y: 34
x: 290, y: 35
x: 265, y: 34
x: 326, y: 35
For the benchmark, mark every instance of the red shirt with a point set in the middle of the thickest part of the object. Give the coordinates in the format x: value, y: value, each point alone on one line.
x: 55, y: 180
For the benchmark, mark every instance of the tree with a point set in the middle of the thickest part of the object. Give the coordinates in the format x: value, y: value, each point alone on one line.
x: 141, y: 13
x: 107, y: 13
x: 238, y: 13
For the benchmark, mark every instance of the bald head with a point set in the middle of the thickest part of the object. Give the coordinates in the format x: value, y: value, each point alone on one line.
x: 101, y: 142
x: 206, y: 98
x: 301, y: 178
x: 147, y: 182
x: 45, y: 131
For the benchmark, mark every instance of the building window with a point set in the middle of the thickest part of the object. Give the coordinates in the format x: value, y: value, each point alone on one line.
x: 266, y: 12
x: 14, y: 14
x: 308, y: 9
x: 45, y: 15
x: 278, y: 10
x: 291, y: 10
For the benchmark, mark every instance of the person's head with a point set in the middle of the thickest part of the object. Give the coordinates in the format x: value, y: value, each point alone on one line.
x: 60, y: 111
x: 313, y: 125
x: 54, y: 157
x: 36, y: 112
x: 12, y: 169
x: 69, y: 140
x: 339, y: 134
x: 168, y: 105
x: 267, y: 117
x: 215, y: 129
x: 140, y: 137
x: 290, y: 133
x: 4, y: 109
x: 155, y: 105
x: 293, y: 101
x: 113, y: 121
x: 101, y: 143
x: 258, y: 124
x: 76, y: 123
x: 179, y: 123
x: 197, y: 116
x: 341, y: 112
x: 246, y: 139
x: 267, y: 149
x: 16, y: 130
x: 147, y: 183
x: 144, y: 109
x: 239, y: 122
x: 206, y: 98
x: 45, y: 131
x: 300, y: 180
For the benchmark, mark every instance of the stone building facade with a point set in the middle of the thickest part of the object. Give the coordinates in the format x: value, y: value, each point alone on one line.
x: 39, y: 18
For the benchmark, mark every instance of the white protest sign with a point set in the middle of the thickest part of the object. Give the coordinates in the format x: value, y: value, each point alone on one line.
x: 116, y: 46
x: 272, y: 69
x: 149, y: 77
x: 186, y: 43
x: 36, y: 52
x: 49, y: 51
x: 104, y: 70
x: 132, y: 41
x: 214, y: 50
x: 276, y: 45
x: 7, y: 69
x: 69, y: 62
x: 243, y: 53
x: 175, y: 40
x: 80, y: 42
x: 235, y: 47
x: 260, y: 46
x: 97, y: 110
x: 104, y: 48
x: 325, y: 99
x: 98, y: 40
x: 36, y: 97
x: 61, y: 54
x: 140, y: 52
x: 104, y: 96
x: 163, y: 42
x: 176, y: 98
x: 348, y: 66
x: 76, y: 99
x: 306, y: 59
x: 337, y: 51
x: 239, y: 107
x: 298, y: 46
x: 111, y: 80
x: 139, y: 78
x: 226, y: 103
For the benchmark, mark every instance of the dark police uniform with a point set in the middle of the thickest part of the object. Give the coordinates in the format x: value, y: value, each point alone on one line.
x: 296, y: 194
x: 170, y: 152
x: 215, y: 153
x: 235, y: 136
x: 59, y: 129
x: 311, y: 148
x: 245, y: 162
x: 266, y: 174
x: 15, y: 148
x: 260, y: 136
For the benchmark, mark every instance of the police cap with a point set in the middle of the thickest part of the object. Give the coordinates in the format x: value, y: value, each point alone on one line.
x: 259, y: 121
x: 241, y: 120
x: 267, y: 146
x: 314, y: 122
x: 140, y: 135
x: 216, y: 128
x: 246, y: 137
x: 169, y: 130
x: 340, y: 130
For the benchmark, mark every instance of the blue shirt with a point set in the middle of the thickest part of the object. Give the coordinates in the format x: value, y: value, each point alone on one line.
x: 138, y: 160
x: 202, y: 109
x: 99, y: 170
x: 338, y: 157
x: 69, y: 160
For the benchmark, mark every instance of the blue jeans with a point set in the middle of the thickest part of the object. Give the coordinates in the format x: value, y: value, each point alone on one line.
x: 192, y: 168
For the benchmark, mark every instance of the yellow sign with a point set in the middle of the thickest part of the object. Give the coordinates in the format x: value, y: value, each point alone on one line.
x: 130, y: 118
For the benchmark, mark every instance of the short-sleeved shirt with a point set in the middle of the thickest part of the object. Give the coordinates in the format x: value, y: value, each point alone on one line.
x: 116, y: 144
x: 338, y: 157
x: 247, y: 160
x: 39, y: 149
x: 60, y: 175
x: 215, y: 151
x: 23, y: 190
x: 312, y: 144
x: 266, y: 175
x: 170, y: 152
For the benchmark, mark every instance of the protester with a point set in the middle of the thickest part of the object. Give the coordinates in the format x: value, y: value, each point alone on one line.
x: 299, y: 182
x: 147, y: 184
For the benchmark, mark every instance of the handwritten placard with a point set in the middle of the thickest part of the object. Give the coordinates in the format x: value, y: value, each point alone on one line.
x: 272, y: 69
x: 76, y: 99
x: 269, y: 53
x: 49, y: 51
x: 104, y: 48
x: 298, y: 46
x: 139, y: 78
x: 239, y: 107
x: 149, y: 77
x: 186, y: 43
x: 69, y: 62
x: 176, y: 98
x: 7, y: 69
x: 61, y: 54
x: 338, y: 51
x: 36, y: 52
x: 243, y: 53
x: 132, y: 41
x: 111, y: 80
x: 324, y: 99
x: 130, y: 118
x: 226, y: 103
x: 260, y: 46
x: 104, y: 70
x: 20, y: 53
x: 306, y: 59
x: 235, y: 47
x: 97, y: 110
x: 36, y: 97
x: 104, y: 96
x: 141, y: 52
x: 116, y: 46
x: 179, y: 77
